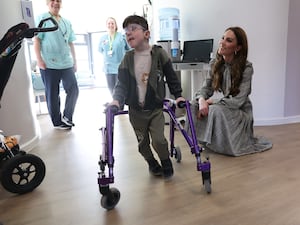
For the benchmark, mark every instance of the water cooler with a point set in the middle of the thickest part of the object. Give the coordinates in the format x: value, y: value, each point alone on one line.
x: 169, y: 28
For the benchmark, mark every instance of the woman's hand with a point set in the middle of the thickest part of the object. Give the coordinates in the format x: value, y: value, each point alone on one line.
x: 203, y: 107
x: 41, y: 64
x: 75, y: 67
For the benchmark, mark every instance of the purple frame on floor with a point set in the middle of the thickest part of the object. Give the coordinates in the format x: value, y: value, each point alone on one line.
x: 111, y: 196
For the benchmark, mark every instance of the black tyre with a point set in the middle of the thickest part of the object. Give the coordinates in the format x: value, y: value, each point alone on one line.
x: 207, y: 186
x: 178, y: 155
x: 111, y: 200
x: 22, y: 173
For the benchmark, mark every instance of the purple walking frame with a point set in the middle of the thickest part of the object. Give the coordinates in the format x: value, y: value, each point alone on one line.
x: 111, y: 196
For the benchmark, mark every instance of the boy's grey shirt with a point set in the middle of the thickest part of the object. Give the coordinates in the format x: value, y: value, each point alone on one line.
x: 161, y: 72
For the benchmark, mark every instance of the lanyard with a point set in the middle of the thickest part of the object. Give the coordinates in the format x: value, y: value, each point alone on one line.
x: 60, y: 21
x: 64, y: 34
x: 111, y: 40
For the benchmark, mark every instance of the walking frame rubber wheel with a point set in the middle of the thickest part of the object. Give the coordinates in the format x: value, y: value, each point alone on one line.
x: 111, y: 199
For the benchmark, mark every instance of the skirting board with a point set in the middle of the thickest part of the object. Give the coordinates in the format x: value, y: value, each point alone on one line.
x: 28, y: 146
x: 277, y: 121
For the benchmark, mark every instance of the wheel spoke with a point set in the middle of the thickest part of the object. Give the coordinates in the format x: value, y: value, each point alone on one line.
x: 22, y: 173
x: 22, y: 179
x: 18, y: 170
x: 32, y: 169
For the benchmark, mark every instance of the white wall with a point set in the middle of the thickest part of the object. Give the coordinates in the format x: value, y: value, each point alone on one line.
x: 91, y: 15
x: 16, y: 112
x: 266, y: 24
x: 292, y: 90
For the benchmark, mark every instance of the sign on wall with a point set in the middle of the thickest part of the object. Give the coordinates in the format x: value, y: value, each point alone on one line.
x: 27, y: 12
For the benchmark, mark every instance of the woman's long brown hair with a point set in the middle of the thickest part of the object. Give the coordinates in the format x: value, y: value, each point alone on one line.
x: 238, y: 63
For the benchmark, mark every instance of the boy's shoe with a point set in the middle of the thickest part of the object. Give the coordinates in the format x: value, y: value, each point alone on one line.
x: 154, y: 167
x: 67, y: 121
x: 167, y: 168
x: 63, y: 126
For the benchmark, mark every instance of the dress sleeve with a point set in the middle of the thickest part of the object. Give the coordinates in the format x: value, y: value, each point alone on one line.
x: 206, y: 90
x: 238, y: 101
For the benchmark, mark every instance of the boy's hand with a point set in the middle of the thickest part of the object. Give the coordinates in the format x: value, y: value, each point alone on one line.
x: 116, y: 103
x: 180, y: 99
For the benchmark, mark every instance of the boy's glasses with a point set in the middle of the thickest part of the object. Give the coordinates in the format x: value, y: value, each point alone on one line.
x: 133, y: 27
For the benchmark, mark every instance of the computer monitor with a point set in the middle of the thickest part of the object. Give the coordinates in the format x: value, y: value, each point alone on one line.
x: 197, y: 50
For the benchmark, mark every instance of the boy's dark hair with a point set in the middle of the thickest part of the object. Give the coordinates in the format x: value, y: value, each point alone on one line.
x: 137, y: 20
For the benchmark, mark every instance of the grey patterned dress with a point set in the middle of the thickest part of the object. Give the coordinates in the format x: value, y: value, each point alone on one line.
x: 228, y: 128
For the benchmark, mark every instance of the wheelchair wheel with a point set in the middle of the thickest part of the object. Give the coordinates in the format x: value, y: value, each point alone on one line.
x: 22, y: 173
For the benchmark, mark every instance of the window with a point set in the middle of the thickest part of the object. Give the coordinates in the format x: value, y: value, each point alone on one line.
x: 89, y: 60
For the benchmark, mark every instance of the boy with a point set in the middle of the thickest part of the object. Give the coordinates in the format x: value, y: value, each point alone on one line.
x: 141, y: 86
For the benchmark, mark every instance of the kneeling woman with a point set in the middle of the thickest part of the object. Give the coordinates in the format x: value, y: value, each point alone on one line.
x: 225, y: 125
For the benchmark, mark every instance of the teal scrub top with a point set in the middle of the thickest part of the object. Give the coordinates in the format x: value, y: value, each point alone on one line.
x: 113, y: 52
x: 55, y: 48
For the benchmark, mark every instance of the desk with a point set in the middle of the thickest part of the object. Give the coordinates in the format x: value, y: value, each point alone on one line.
x: 192, y: 67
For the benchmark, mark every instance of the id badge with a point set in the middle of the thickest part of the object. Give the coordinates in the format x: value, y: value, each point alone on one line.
x: 110, y: 52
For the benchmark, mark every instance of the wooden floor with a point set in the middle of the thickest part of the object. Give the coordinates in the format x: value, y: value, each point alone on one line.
x: 258, y: 189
